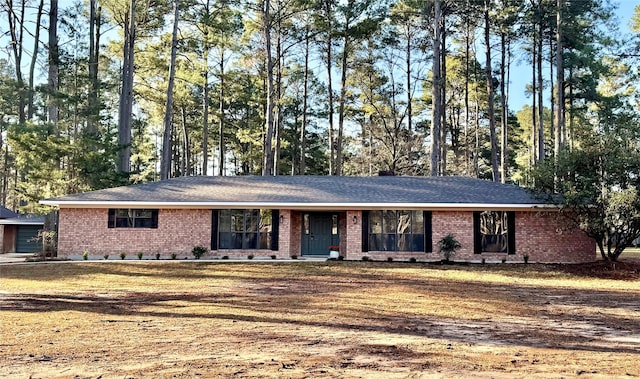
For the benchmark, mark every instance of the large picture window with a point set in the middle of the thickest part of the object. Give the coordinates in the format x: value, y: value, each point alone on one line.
x: 396, y: 230
x: 494, y: 232
x: 133, y: 218
x: 244, y: 229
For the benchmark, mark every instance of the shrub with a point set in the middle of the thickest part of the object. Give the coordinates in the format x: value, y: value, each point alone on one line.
x: 106, y: 256
x: 412, y: 260
x: 365, y: 258
x: 123, y: 256
x: 140, y: 255
x: 85, y: 255
x: 157, y: 256
x: 250, y: 256
x: 199, y: 251
x: 389, y: 259
x: 526, y: 258
x: 341, y: 258
x: 225, y: 257
x: 174, y: 255
x: 273, y: 257
x: 448, y: 246
x: 294, y: 257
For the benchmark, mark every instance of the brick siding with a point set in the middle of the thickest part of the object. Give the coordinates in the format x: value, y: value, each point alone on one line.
x: 543, y: 236
x: 179, y: 230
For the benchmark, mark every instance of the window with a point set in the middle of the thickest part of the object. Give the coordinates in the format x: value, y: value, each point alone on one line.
x: 494, y: 232
x: 245, y: 229
x: 397, y: 230
x: 133, y: 218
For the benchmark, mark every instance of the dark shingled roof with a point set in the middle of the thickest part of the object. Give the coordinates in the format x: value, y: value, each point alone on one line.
x: 7, y: 213
x: 310, y: 190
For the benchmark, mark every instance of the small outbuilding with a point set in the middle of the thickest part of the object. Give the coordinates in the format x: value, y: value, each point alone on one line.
x: 380, y: 218
x: 19, y: 233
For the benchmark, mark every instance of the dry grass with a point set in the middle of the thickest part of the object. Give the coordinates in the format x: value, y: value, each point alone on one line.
x: 341, y: 319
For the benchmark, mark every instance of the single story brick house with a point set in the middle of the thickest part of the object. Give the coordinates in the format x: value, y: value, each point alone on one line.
x: 381, y: 217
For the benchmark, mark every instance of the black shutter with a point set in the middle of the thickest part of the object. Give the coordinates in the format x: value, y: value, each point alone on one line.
x: 214, y: 230
x: 365, y: 231
x: 154, y: 218
x: 477, y: 236
x: 428, y: 231
x: 111, y: 219
x: 275, y: 229
x: 511, y: 232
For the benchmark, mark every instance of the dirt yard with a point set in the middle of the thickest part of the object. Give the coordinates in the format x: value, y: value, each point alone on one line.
x: 307, y: 320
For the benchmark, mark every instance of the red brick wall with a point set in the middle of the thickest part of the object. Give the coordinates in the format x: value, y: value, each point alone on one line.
x: 546, y: 237
x: 179, y: 230
x: 542, y: 236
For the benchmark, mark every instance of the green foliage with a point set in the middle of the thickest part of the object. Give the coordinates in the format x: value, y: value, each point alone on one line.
x: 199, y: 251
x: 599, y: 192
x: 448, y: 245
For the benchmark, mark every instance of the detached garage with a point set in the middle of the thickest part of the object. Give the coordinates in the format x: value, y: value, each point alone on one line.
x: 19, y: 234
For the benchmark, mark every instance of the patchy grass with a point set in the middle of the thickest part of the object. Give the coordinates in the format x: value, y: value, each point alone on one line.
x: 336, y: 319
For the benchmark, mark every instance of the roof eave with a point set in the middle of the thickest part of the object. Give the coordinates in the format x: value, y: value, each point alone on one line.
x: 294, y: 206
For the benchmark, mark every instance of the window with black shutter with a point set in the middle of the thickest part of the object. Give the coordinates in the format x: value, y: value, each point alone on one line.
x: 494, y: 232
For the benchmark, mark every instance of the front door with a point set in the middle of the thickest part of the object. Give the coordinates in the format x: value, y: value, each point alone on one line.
x: 319, y: 231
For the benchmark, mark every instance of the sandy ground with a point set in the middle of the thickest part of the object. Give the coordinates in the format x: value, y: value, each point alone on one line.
x: 307, y: 320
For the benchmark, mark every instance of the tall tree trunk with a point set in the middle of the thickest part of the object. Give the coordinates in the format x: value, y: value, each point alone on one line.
x: 305, y: 97
x: 205, y: 109
x: 558, y: 142
x: 467, y: 113
x: 16, y: 31
x: 504, y: 67
x: 165, y: 163
x: 342, y: 100
x: 268, y: 137
x: 53, y: 66
x: 126, y: 92
x: 409, y: 86
x: 34, y: 57
x: 222, y: 118
x: 94, y: 37
x: 329, y: 63
x: 278, y: 102
x: 534, y: 106
x: 436, y: 117
x: 491, y: 96
x: 443, y: 98
x: 186, y: 144
x: 541, y: 146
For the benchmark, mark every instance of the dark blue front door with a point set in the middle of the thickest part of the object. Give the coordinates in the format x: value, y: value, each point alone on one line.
x: 319, y: 231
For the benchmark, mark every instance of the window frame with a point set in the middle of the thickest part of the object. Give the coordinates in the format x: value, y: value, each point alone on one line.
x: 480, y: 238
x: 256, y: 230
x: 133, y: 219
x: 388, y: 241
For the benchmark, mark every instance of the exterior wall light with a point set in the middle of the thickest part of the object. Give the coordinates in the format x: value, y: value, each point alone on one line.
x: 281, y: 219
x: 355, y: 219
